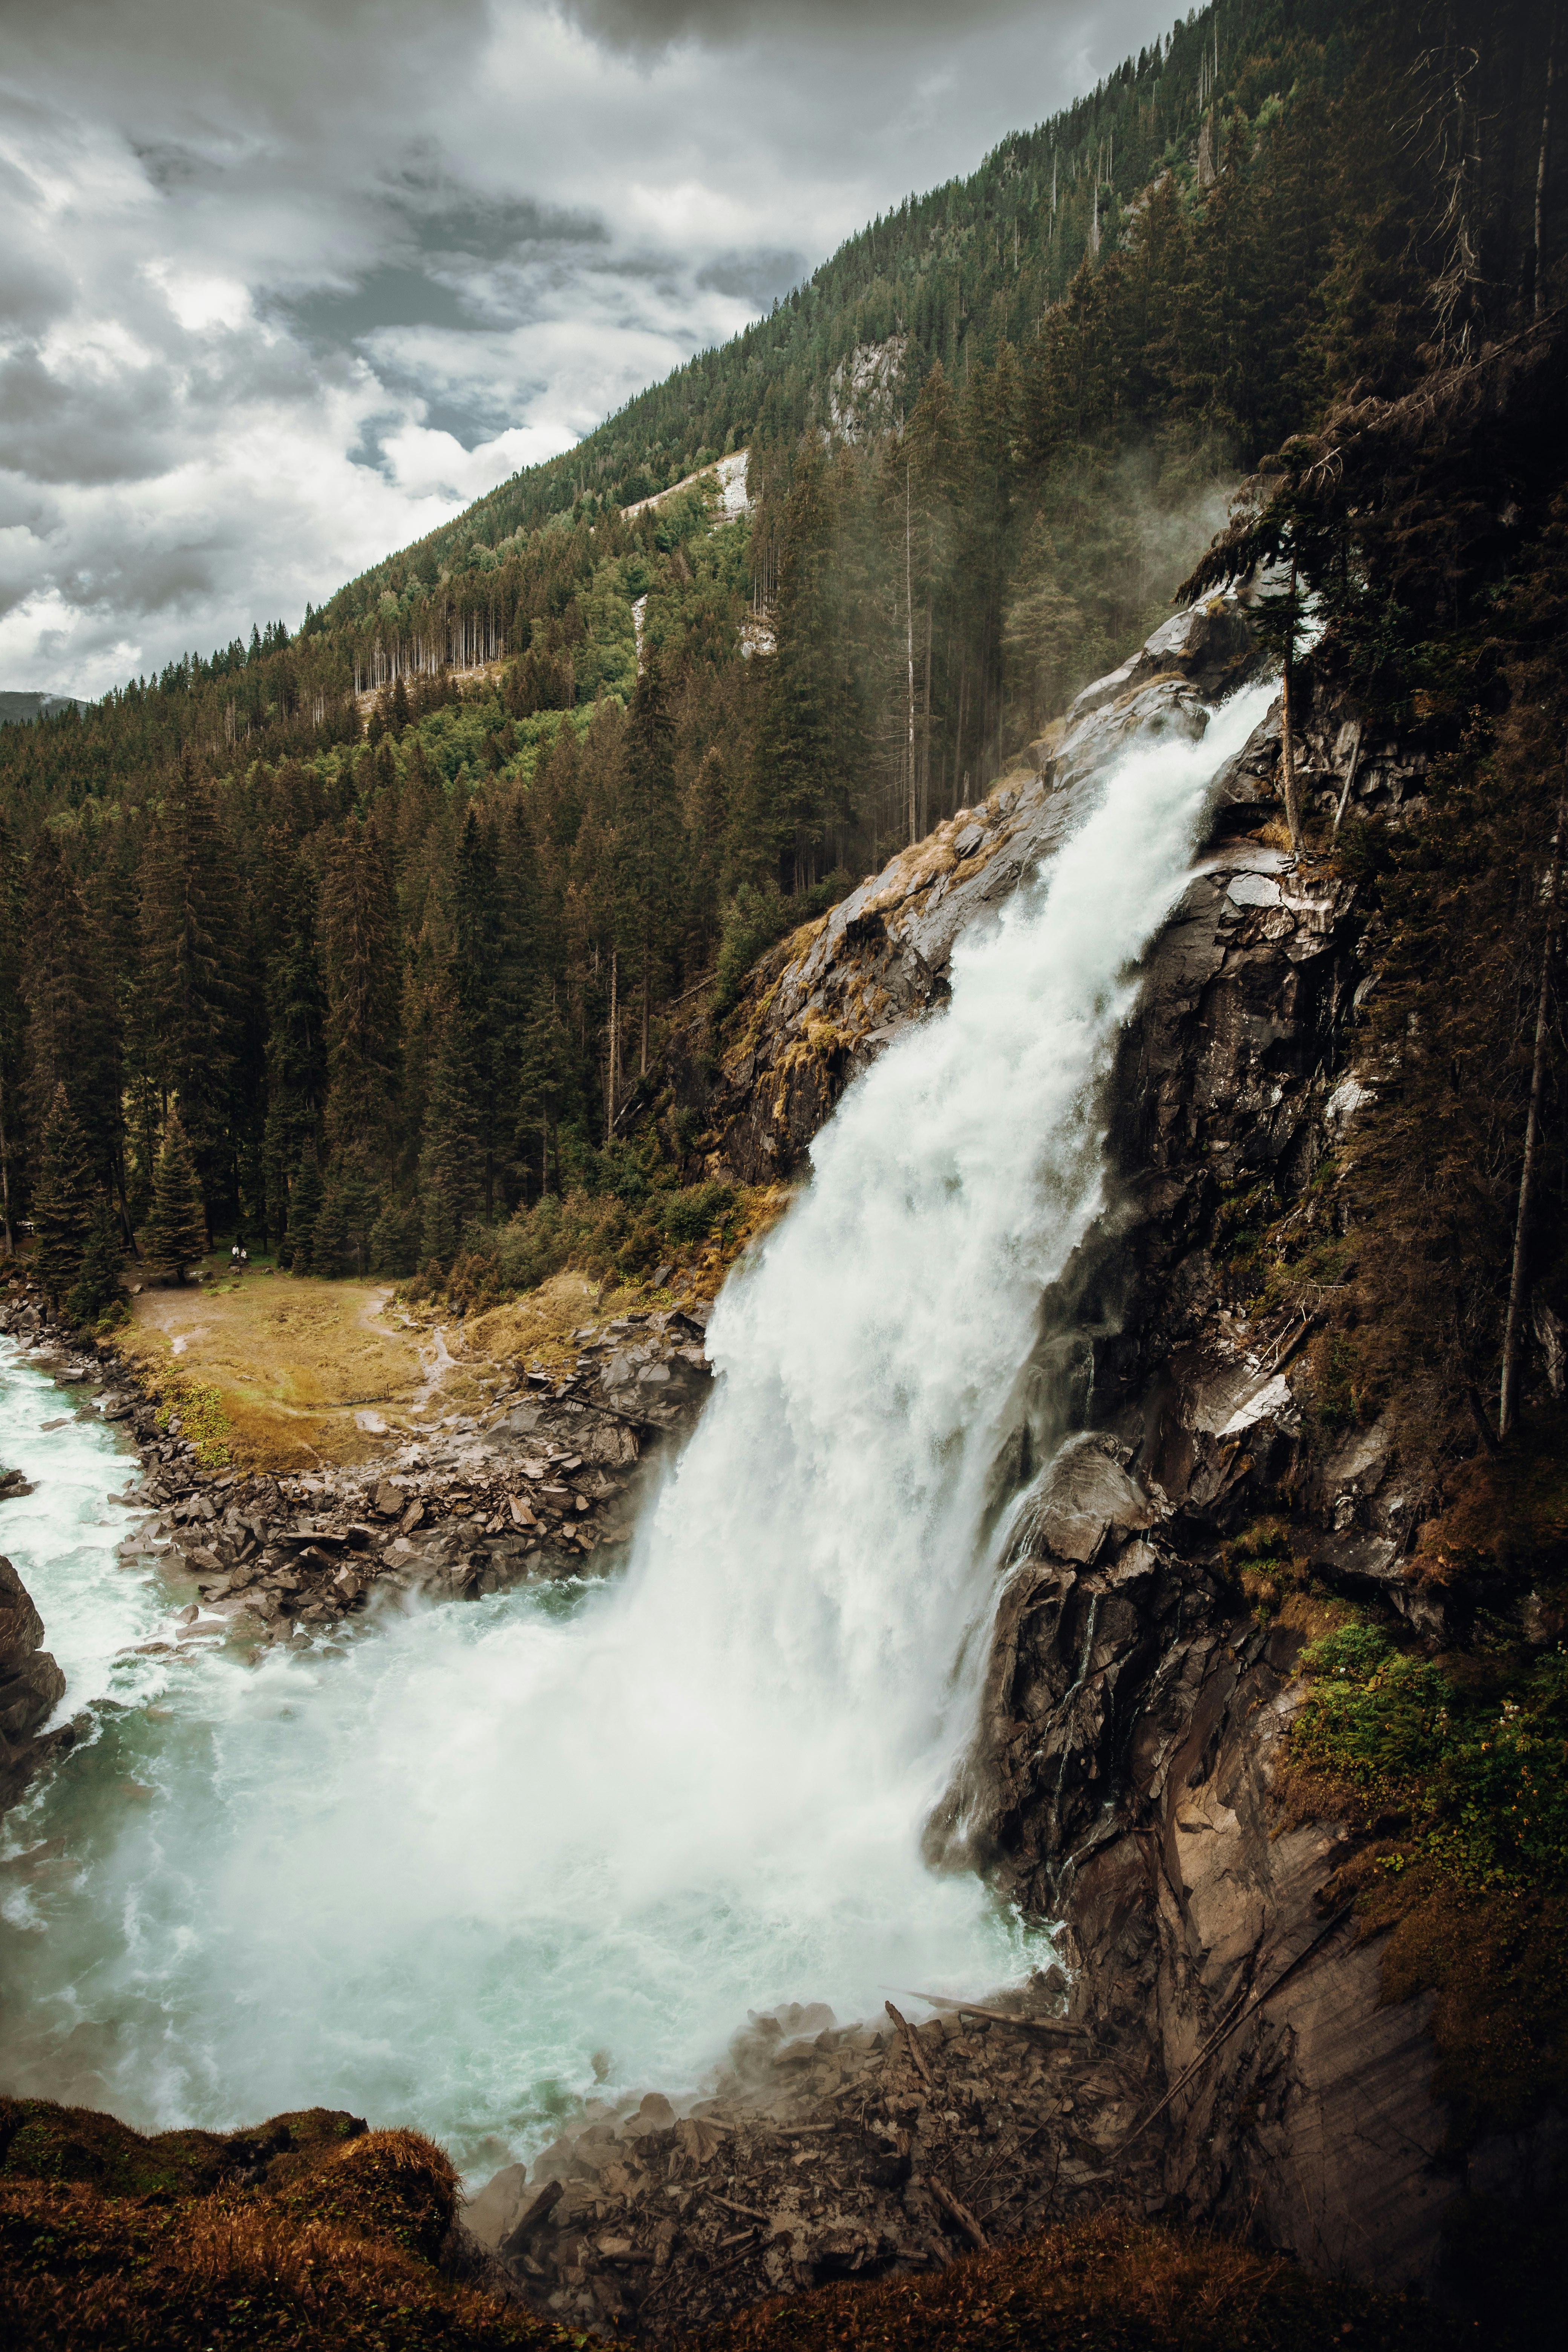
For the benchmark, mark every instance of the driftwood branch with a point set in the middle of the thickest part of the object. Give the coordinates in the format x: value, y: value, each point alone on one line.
x: 916, y: 2054
x: 1238, y: 2014
x: 959, y: 2214
x: 996, y: 2016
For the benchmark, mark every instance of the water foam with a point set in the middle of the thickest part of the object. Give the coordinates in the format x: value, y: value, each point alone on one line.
x: 434, y: 1879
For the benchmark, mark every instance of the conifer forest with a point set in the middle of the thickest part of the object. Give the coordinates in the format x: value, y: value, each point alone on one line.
x: 377, y: 927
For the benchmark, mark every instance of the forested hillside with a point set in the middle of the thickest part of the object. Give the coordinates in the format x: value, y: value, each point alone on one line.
x: 383, y: 920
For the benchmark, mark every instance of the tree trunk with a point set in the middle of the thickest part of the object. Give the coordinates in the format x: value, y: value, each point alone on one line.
x: 1513, y: 1329
x: 1541, y: 162
x: 1287, y: 745
x: 909, y: 659
x: 613, y: 1071
x: 5, y: 1184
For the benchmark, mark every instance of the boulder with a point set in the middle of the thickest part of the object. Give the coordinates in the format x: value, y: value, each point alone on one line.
x: 31, y: 1687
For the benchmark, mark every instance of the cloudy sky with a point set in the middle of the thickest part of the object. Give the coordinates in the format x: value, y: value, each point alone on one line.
x: 283, y: 283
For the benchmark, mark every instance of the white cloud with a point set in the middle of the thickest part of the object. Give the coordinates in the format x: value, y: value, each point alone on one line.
x: 282, y: 287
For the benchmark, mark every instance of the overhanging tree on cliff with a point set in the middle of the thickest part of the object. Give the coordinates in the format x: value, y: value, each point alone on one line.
x: 176, y: 1231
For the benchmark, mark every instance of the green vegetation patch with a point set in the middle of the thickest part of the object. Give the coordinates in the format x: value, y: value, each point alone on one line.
x: 203, y: 1422
x: 1455, y: 1771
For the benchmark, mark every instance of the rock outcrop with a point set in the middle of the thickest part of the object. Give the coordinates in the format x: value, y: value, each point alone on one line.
x: 31, y: 1687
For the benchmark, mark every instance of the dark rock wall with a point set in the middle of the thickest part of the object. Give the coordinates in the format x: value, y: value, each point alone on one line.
x: 1122, y: 1775
x: 31, y: 1687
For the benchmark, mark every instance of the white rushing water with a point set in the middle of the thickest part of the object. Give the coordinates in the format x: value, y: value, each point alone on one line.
x: 432, y: 1878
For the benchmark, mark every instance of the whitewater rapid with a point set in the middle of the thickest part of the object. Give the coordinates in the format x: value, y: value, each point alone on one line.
x: 495, y: 1855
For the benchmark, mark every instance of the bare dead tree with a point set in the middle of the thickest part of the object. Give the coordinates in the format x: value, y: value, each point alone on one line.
x: 1542, y: 162
x: 1513, y: 1329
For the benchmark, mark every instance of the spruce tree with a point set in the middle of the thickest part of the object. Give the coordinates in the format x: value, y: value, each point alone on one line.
x: 651, y: 838
x: 96, y: 1287
x: 176, y: 1231
x: 304, y: 1211
x: 61, y: 1198
x: 190, y: 965
x: 450, y: 1160
x: 359, y: 956
x: 72, y: 1029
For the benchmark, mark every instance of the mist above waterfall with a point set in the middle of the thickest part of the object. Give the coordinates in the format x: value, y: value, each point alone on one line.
x: 435, y: 1878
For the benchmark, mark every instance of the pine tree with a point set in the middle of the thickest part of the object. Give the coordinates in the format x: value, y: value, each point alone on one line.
x: 359, y: 954
x: 651, y: 839
x: 797, y: 733
x: 295, y: 1050
x: 449, y: 1160
x: 176, y: 1231
x: 72, y: 1032
x: 60, y: 1197
x: 304, y: 1211
x: 97, y: 1287
x: 189, y: 966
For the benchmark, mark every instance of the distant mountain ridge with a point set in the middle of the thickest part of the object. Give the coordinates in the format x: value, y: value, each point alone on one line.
x: 19, y: 708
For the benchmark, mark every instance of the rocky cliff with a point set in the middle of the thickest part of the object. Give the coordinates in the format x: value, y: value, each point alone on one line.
x: 1123, y: 1780
x: 31, y: 1687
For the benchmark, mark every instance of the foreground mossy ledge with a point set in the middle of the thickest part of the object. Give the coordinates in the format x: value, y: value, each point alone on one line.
x: 310, y: 2231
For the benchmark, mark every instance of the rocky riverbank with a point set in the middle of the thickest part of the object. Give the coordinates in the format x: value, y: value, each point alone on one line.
x: 544, y: 1479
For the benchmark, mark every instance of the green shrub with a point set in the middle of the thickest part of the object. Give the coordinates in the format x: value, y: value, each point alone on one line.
x: 1484, y: 1783
x: 691, y: 1215
x: 757, y: 917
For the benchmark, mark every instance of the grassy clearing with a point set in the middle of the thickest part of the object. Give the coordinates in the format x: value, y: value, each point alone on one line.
x: 302, y: 1370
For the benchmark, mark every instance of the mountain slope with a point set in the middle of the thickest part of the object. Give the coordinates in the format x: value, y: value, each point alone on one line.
x: 392, y: 911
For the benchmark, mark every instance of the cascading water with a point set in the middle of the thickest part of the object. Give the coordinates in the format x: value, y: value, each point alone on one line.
x: 436, y: 1878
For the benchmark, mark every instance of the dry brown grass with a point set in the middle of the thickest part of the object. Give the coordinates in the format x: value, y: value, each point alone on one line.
x: 1110, y: 2285
x: 311, y: 2234
x: 295, y: 1362
x: 539, y: 1326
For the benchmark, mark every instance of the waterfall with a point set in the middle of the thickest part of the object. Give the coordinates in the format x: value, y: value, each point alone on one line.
x: 491, y: 1853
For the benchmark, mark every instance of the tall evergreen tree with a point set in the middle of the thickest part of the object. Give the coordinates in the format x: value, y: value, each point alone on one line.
x: 176, y: 1231
x: 61, y: 1196
x: 96, y: 1289
x: 359, y: 953
x: 796, y: 734
x: 296, y: 1071
x: 450, y: 1161
x: 651, y: 841
x: 72, y: 1032
x: 189, y: 966
x: 305, y: 1199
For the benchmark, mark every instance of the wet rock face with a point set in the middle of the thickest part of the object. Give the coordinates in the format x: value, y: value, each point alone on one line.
x: 31, y: 1687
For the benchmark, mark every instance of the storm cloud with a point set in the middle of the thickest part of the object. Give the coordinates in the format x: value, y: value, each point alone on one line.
x: 283, y: 287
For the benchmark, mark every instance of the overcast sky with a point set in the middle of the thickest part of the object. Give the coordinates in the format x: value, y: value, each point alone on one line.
x: 284, y: 283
